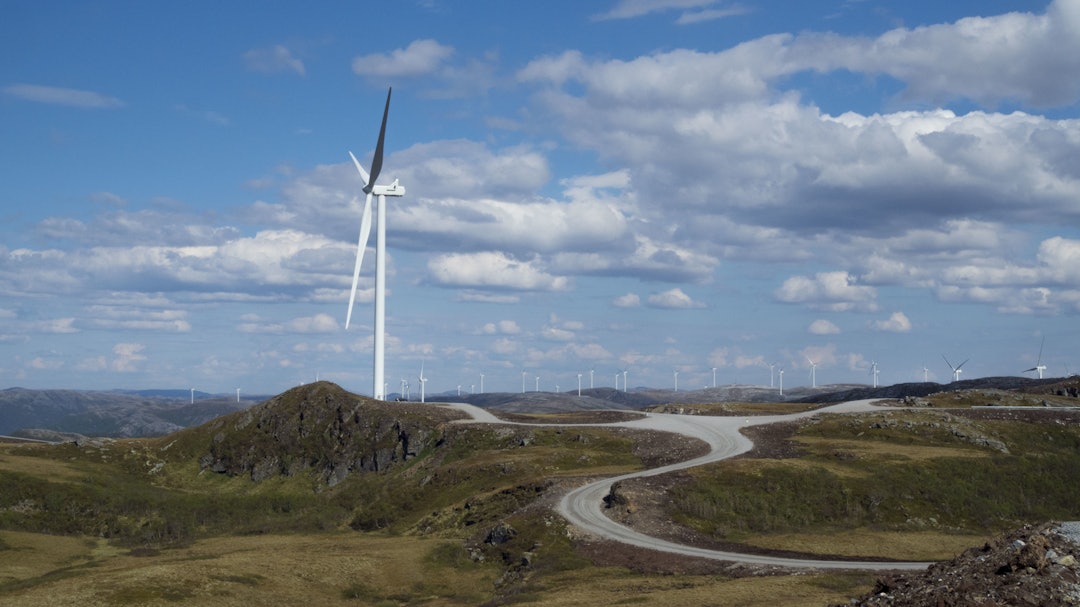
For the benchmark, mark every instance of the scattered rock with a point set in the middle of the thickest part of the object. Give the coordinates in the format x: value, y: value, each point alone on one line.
x: 1035, y: 565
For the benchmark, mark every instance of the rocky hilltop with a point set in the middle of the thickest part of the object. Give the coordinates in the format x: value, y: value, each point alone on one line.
x: 316, y: 427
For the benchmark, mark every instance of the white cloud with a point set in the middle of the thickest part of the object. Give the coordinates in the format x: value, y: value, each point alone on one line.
x: 833, y: 291
x: 419, y: 58
x: 63, y: 96
x: 127, y: 357
x: 319, y: 323
x: 630, y: 300
x: 629, y: 9
x: 493, y: 269
x: 277, y: 58
x: 673, y: 299
x: 502, y: 327
x: 823, y: 327
x: 897, y: 323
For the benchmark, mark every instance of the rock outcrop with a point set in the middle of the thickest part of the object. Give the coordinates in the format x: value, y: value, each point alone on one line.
x: 320, y: 428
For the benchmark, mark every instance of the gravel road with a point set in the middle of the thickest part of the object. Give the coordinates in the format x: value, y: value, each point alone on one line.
x: 583, y: 506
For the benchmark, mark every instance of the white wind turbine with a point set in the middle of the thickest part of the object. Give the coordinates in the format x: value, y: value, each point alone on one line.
x: 714, y: 377
x: 781, y: 381
x: 676, y: 380
x: 874, y: 372
x: 772, y: 366
x: 925, y: 373
x: 625, y: 386
x: 423, y: 381
x: 1039, y: 367
x: 382, y: 191
x: 956, y: 369
x: 813, y: 372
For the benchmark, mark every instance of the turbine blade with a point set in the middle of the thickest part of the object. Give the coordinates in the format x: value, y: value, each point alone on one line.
x: 361, y: 246
x: 948, y: 363
x: 376, y: 162
x: 363, y: 173
x: 963, y: 363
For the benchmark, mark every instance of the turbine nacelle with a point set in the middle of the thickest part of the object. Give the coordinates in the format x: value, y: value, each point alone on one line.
x: 394, y: 189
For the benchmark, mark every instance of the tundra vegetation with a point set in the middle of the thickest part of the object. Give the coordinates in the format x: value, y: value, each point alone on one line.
x: 318, y: 496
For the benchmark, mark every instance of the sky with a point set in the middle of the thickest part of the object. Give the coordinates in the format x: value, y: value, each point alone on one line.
x: 679, y: 189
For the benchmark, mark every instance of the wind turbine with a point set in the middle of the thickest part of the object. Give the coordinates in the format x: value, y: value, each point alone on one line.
x: 625, y: 386
x: 676, y: 380
x: 423, y: 381
x: 616, y: 381
x: 956, y: 369
x: 382, y: 191
x: 781, y: 381
x: 874, y: 372
x: 771, y: 367
x: 591, y: 378
x: 1039, y: 367
x: 924, y: 373
x: 714, y: 377
x: 813, y: 372
x: 481, y: 383
x: 238, y: 395
x: 579, y: 384
x: 523, y: 381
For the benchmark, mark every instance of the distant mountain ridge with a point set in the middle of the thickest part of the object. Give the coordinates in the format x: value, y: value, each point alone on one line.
x: 137, y: 413
x: 112, y: 413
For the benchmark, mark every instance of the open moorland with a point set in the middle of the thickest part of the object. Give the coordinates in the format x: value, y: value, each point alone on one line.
x: 318, y: 496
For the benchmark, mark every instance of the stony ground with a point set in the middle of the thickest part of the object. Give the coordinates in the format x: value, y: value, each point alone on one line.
x: 1035, y: 565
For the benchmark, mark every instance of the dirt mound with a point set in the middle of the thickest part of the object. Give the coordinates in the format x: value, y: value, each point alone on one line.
x: 1036, y: 565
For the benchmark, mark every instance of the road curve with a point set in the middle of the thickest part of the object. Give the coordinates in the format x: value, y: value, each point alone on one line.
x: 583, y: 506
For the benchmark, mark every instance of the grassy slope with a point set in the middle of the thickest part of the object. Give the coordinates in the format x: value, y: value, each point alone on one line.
x: 180, y: 537
x: 870, y: 485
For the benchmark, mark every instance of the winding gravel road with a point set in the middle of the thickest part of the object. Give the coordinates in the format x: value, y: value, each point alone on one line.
x: 583, y: 507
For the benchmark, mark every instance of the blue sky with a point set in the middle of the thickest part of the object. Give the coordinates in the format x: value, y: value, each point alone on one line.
x: 646, y: 185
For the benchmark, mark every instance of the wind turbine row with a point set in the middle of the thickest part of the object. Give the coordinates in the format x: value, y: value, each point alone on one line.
x: 371, y: 188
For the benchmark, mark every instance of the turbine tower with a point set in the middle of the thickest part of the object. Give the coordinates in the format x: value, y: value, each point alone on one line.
x: 423, y: 381
x: 625, y: 386
x: 676, y: 380
x: 714, y: 377
x: 956, y: 369
x: 382, y: 191
x: 813, y: 372
x: 772, y: 366
x: 781, y: 381
x: 1039, y: 367
x: 874, y: 372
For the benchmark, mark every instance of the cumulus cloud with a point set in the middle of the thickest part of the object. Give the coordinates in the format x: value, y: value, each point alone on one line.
x: 823, y: 327
x: 896, y: 323
x: 673, y: 299
x: 492, y: 269
x: 63, y: 96
x: 630, y: 300
x: 419, y: 58
x: 833, y: 291
x: 502, y: 327
x: 127, y: 357
x: 274, y: 59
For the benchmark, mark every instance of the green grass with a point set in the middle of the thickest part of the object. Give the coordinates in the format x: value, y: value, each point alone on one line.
x: 874, y: 488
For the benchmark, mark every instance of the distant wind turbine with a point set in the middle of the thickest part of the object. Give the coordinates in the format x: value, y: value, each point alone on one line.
x: 1039, y: 367
x: 537, y: 383
x: 771, y: 367
x: 193, y: 396
x: 238, y: 395
x: 523, y: 381
x: 481, y: 383
x: 579, y: 384
x: 813, y: 372
x: 616, y: 381
x: 591, y: 378
x: 925, y: 371
x: 382, y: 191
x: 676, y: 380
x: 714, y: 377
x: 956, y: 369
x: 625, y: 386
x: 781, y: 381
x: 874, y: 372
x: 423, y: 381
